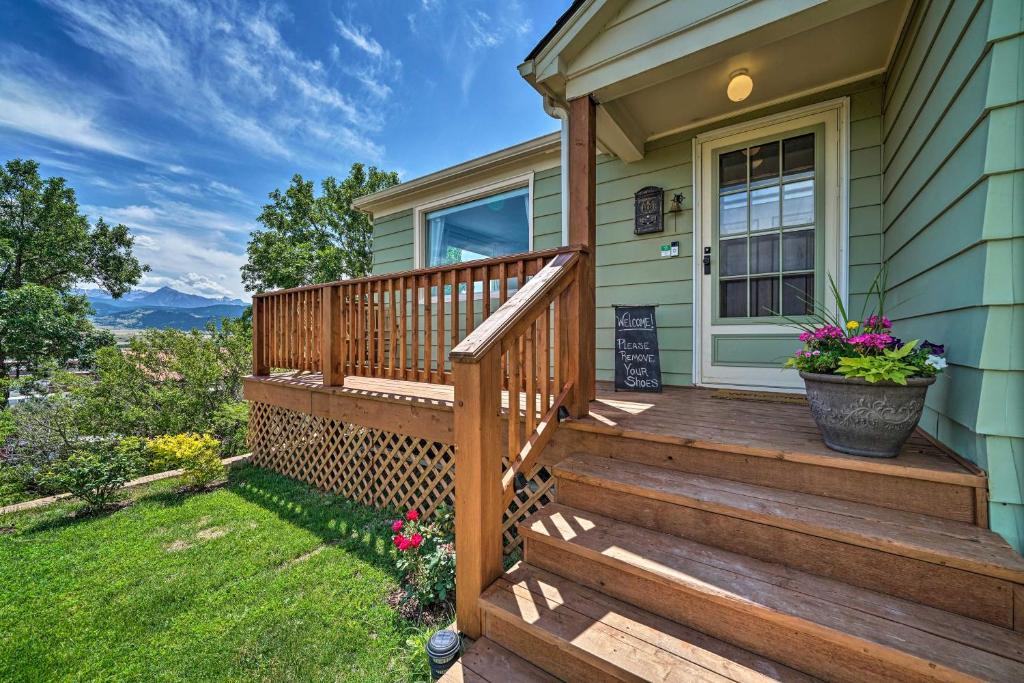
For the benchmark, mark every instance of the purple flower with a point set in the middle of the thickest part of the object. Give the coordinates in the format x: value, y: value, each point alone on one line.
x: 806, y: 336
x: 895, y: 343
x: 878, y: 321
x: 933, y: 349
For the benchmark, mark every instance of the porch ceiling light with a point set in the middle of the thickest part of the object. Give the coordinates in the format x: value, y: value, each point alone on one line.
x: 740, y: 86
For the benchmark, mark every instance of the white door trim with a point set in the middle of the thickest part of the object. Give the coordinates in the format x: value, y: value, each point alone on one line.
x: 842, y: 108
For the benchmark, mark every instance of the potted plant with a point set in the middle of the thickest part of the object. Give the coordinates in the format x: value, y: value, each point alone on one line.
x: 865, y: 387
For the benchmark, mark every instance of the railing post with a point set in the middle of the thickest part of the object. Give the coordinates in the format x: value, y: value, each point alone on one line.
x: 478, y: 494
x: 260, y: 366
x: 330, y: 336
x: 583, y: 231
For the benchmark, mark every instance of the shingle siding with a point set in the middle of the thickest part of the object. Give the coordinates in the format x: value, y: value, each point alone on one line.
x: 952, y: 207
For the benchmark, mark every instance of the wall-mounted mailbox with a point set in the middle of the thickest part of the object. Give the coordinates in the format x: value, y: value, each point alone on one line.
x: 650, y: 210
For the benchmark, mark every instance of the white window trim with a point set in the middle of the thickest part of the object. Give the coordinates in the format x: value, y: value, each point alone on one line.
x: 480, y: 192
x: 842, y: 106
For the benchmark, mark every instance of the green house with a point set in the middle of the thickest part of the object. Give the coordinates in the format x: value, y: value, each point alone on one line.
x: 788, y: 144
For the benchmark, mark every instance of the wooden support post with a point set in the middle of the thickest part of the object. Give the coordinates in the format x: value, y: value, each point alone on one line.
x: 583, y: 231
x: 260, y: 366
x: 330, y: 336
x: 478, y: 494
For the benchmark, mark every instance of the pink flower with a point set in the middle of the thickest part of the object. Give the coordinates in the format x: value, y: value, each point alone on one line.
x: 412, y: 515
x: 828, y: 332
x: 871, y: 340
x: 396, y: 525
x: 398, y: 540
x: 416, y: 540
x: 806, y: 336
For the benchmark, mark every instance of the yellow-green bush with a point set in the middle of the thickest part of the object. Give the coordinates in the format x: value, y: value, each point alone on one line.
x: 196, y: 454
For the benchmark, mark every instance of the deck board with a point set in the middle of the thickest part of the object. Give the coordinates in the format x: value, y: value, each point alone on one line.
x: 686, y: 416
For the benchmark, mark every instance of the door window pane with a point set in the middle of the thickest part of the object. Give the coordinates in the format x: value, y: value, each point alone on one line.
x: 797, y: 294
x: 733, y: 298
x: 492, y: 226
x: 798, y: 203
x: 798, y: 250
x: 766, y: 228
x: 732, y: 170
x: 764, y: 296
x: 764, y: 254
x: 734, y: 257
x: 764, y: 162
x: 732, y: 213
x: 764, y: 208
x: 798, y: 154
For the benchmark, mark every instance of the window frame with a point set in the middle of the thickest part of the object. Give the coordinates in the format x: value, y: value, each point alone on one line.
x: 420, y: 211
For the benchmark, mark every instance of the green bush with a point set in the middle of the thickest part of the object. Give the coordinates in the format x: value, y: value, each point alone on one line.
x: 94, y: 475
x: 231, y: 427
x: 426, y: 556
x: 196, y: 454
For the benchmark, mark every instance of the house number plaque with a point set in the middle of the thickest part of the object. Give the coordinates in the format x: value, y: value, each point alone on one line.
x: 650, y: 215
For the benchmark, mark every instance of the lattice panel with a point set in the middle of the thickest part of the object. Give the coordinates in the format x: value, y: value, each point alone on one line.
x: 373, y: 466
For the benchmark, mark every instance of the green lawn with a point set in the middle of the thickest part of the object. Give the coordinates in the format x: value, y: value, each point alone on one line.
x: 264, y: 579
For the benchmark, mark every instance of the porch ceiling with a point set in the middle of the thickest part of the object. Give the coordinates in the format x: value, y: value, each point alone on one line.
x: 658, y: 67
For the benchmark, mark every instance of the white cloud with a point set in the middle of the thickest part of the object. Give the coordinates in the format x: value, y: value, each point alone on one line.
x: 470, y: 29
x: 359, y: 38
x: 226, y: 70
x: 378, y: 64
x: 36, y: 100
x: 190, y: 283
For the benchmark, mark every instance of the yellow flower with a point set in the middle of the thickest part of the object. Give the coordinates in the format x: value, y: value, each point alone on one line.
x: 852, y: 325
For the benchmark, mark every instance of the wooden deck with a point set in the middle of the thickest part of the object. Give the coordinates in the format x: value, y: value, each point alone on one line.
x: 769, y: 427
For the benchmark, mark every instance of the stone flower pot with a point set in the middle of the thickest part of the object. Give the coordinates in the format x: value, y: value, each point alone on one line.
x: 861, y: 418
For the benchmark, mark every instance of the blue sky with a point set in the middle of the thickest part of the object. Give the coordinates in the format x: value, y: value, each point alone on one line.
x: 177, y: 118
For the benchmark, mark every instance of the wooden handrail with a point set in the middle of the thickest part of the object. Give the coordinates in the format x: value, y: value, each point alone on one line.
x: 493, y: 261
x: 397, y: 326
x: 518, y: 311
x: 531, y: 347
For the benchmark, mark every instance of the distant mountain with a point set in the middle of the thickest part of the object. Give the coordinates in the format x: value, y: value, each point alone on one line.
x: 165, y: 296
x: 166, y: 307
x: 143, y: 317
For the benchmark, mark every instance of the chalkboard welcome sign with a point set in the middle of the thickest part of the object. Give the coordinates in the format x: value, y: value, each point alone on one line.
x: 637, y: 362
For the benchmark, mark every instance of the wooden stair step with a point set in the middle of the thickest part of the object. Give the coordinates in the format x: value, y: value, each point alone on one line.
x: 581, y: 634
x: 941, y: 541
x: 944, y: 563
x: 814, y: 624
x: 487, y: 662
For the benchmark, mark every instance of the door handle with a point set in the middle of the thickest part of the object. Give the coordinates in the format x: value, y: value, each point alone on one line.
x: 707, y: 260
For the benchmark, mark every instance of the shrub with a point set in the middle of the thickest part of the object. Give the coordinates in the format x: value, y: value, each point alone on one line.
x: 231, y: 427
x: 196, y: 454
x: 426, y: 556
x: 94, y: 475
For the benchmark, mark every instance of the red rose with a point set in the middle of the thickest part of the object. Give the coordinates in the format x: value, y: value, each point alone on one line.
x: 405, y: 544
x: 416, y: 540
x: 396, y: 525
x: 412, y: 515
x: 398, y: 540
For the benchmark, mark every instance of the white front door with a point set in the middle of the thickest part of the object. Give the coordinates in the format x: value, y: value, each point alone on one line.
x: 769, y: 240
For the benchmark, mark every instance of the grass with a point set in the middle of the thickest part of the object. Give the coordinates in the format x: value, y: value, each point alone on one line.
x: 263, y: 579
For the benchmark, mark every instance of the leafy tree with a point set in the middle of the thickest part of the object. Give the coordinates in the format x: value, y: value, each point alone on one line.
x: 44, y: 240
x: 46, y: 248
x: 309, y: 238
x: 168, y: 381
x: 38, y: 324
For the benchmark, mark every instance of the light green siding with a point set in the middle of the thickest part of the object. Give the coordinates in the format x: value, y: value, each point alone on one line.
x: 630, y: 269
x: 393, y: 243
x: 953, y: 201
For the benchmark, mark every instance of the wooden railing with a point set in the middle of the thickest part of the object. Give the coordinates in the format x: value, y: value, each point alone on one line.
x: 531, y: 346
x: 395, y: 326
